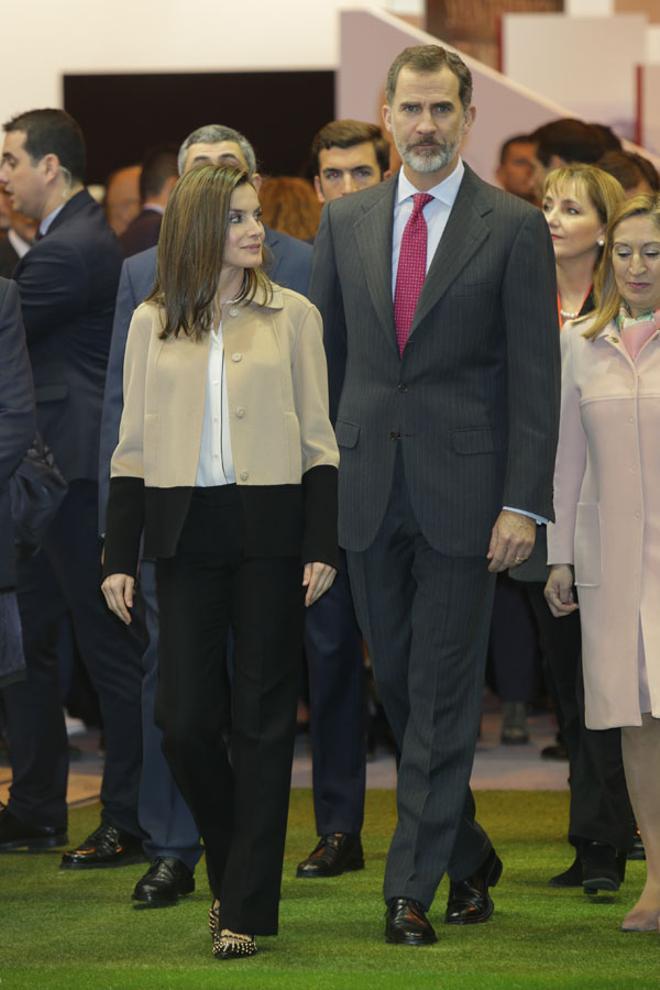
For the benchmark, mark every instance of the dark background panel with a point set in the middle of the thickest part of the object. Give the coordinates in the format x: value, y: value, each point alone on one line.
x: 124, y: 115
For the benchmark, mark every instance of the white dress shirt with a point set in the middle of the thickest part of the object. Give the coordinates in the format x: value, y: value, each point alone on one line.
x: 216, y: 465
x: 436, y: 213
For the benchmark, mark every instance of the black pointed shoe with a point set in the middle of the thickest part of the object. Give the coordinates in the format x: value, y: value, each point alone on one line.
x: 333, y: 855
x: 603, y: 867
x: 469, y: 902
x: 406, y: 923
x: 572, y: 877
x: 166, y: 880
x: 15, y: 835
x: 106, y: 846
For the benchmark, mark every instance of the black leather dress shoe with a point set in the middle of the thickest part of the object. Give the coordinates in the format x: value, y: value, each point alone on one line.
x: 603, y: 867
x: 166, y: 880
x: 106, y: 846
x: 14, y: 835
x: 469, y: 902
x: 572, y: 877
x: 406, y: 923
x: 334, y: 854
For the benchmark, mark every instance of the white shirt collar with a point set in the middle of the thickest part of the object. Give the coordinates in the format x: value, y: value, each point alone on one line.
x: 446, y: 191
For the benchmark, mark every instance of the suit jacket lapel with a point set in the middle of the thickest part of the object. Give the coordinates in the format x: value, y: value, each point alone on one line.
x: 373, y: 236
x: 465, y: 232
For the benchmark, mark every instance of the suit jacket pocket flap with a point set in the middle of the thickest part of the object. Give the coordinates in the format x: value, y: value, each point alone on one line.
x: 50, y: 393
x: 478, y: 441
x: 347, y: 433
x: 587, y: 545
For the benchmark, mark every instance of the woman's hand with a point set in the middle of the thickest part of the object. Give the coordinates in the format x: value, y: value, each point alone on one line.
x: 118, y: 592
x: 317, y: 578
x: 559, y: 590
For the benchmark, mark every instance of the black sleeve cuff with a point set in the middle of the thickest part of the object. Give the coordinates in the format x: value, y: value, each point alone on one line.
x: 320, y: 508
x: 124, y: 524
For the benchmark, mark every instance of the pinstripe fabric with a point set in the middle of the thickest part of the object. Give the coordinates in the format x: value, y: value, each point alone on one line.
x: 473, y: 401
x: 432, y: 445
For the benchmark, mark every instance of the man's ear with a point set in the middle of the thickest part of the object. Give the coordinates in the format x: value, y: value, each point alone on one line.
x: 387, y: 117
x: 256, y: 181
x: 387, y: 174
x: 51, y: 168
x: 319, y: 191
x: 469, y: 118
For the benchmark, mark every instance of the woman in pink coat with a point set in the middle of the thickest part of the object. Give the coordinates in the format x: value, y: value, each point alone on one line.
x: 607, y: 506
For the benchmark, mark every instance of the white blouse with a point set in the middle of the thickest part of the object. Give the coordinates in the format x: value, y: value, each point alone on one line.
x: 216, y: 464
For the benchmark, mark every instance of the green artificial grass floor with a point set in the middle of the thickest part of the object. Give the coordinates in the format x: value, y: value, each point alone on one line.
x: 78, y: 929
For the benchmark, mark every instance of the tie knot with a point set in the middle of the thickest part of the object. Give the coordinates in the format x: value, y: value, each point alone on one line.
x: 419, y: 202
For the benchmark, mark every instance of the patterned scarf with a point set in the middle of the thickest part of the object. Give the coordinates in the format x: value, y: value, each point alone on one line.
x: 636, y: 330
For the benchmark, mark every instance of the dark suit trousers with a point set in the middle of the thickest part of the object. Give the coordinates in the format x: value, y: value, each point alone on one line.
x: 333, y: 647
x: 600, y: 809
x: 163, y: 813
x: 426, y: 618
x: 513, y: 647
x: 65, y: 576
x: 230, y: 751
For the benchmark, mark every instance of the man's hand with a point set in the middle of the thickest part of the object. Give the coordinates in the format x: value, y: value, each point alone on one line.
x: 559, y: 591
x: 317, y: 578
x: 118, y: 591
x: 511, y: 541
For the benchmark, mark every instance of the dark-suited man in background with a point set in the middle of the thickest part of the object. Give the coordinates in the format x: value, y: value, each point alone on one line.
x: 157, y: 180
x: 437, y: 293
x: 67, y: 284
x: 347, y: 156
x: 17, y: 426
x: 172, y: 843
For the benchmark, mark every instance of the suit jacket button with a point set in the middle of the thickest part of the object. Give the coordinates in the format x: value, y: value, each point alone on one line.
x: 240, y: 412
x: 244, y: 475
x: 233, y: 311
x: 394, y: 436
x: 401, y: 387
x: 237, y: 357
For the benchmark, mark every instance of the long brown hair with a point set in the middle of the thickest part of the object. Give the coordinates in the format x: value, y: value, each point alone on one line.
x: 608, y: 297
x: 191, y: 249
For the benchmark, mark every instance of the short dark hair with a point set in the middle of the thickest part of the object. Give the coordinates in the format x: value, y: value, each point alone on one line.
x: 346, y: 134
x: 516, y: 139
x: 649, y: 170
x: 608, y: 139
x: 52, y: 132
x: 430, y: 58
x: 570, y: 139
x: 158, y: 165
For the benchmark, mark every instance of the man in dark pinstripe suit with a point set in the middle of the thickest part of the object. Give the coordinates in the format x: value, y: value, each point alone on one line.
x: 446, y: 423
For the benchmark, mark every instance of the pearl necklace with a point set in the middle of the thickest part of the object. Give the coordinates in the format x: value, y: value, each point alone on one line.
x: 569, y: 316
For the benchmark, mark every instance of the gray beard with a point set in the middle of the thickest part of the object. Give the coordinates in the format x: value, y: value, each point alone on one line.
x: 426, y: 161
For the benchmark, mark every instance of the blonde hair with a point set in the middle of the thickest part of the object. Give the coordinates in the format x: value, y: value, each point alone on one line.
x: 191, y: 250
x: 608, y: 297
x: 604, y: 191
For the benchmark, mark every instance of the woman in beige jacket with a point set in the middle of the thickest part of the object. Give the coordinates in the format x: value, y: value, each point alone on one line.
x: 226, y: 465
x: 607, y: 506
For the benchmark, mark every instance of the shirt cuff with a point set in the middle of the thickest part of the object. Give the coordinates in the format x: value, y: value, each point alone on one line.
x: 539, y: 520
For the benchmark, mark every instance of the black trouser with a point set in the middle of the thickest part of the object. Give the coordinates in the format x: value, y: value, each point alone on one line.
x: 333, y: 646
x: 66, y: 576
x: 426, y: 618
x: 600, y: 808
x: 513, y: 647
x: 230, y: 747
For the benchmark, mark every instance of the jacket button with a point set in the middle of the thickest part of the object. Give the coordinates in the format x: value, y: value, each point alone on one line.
x: 402, y: 388
x: 233, y: 311
x: 244, y: 475
x: 395, y: 436
x: 237, y: 357
x: 240, y: 412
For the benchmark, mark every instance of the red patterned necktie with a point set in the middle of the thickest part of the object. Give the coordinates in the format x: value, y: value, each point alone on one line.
x: 411, y: 272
